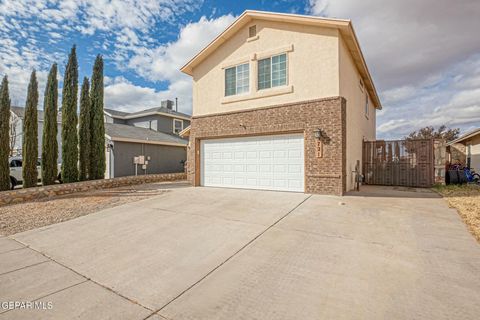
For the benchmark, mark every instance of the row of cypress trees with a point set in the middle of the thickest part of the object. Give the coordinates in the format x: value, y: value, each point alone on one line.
x: 83, y: 151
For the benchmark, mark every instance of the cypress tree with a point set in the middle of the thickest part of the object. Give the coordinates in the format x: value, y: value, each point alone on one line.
x: 69, y: 120
x: 4, y: 135
x: 84, y: 130
x: 30, y: 135
x: 97, y: 133
x: 49, y: 140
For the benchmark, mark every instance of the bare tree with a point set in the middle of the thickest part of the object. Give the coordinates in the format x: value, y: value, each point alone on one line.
x: 429, y: 132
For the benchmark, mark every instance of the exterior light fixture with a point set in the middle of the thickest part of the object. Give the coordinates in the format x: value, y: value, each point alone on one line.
x: 318, y: 133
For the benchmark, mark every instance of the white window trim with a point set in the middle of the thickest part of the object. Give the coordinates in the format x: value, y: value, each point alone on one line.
x: 252, y: 60
x: 275, y: 91
x: 271, y: 70
x: 275, y: 52
x: 177, y: 120
x: 249, y: 79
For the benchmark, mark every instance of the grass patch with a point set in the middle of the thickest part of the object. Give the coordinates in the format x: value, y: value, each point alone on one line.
x: 466, y: 199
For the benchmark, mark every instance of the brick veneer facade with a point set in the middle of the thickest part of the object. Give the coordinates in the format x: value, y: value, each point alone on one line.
x: 325, y: 175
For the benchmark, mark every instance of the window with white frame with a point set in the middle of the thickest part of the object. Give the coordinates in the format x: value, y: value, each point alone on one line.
x: 237, y: 79
x: 366, y: 105
x: 272, y: 71
x: 177, y: 126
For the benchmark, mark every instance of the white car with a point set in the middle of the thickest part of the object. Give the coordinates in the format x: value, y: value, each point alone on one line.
x: 16, y: 171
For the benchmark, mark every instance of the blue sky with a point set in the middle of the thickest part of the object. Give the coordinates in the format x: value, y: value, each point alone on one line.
x: 424, y: 56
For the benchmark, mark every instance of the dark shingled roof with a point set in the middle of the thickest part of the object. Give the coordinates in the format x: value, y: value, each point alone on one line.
x: 122, y: 114
x: 20, y: 112
x: 131, y: 132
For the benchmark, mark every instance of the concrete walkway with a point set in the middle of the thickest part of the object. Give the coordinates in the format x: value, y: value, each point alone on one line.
x: 207, y: 253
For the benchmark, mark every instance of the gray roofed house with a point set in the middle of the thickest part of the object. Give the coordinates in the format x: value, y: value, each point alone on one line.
x: 162, y: 152
x: 151, y: 133
x: 164, y: 118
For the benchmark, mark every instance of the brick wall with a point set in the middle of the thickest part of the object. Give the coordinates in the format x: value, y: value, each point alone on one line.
x: 22, y: 195
x: 326, y: 175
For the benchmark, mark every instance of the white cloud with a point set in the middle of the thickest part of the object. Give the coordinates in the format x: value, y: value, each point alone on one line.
x: 123, y: 24
x: 120, y: 94
x: 17, y: 62
x: 453, y: 100
x: 103, y: 15
x: 164, y: 62
x: 422, y: 55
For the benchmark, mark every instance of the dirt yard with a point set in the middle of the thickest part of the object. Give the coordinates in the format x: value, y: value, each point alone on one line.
x: 30, y: 215
x: 466, y: 199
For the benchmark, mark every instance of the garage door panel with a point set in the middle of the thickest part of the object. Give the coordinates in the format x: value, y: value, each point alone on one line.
x: 263, y: 162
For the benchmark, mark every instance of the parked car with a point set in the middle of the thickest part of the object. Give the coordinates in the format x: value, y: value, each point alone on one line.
x: 16, y: 172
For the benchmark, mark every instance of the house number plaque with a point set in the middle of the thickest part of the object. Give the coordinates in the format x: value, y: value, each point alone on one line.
x: 319, y: 149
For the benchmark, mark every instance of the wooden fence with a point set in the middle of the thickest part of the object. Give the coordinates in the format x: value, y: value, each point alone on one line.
x: 407, y: 163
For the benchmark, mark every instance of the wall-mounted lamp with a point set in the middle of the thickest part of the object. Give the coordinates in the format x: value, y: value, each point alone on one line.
x: 319, y: 133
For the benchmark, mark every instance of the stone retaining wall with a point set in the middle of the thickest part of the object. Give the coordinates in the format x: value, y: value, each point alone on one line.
x: 22, y: 195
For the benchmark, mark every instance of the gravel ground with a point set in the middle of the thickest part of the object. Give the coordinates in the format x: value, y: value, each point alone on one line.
x: 466, y: 199
x: 30, y: 215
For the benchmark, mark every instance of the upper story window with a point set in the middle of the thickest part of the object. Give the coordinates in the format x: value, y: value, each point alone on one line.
x: 272, y: 72
x: 177, y: 126
x: 237, y: 79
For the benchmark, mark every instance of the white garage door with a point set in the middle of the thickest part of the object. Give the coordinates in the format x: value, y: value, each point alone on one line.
x: 261, y: 162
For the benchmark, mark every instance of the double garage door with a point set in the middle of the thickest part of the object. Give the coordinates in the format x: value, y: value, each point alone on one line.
x: 260, y: 162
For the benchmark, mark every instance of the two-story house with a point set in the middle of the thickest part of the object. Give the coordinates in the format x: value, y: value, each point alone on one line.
x: 146, y: 141
x: 163, y: 118
x: 281, y: 102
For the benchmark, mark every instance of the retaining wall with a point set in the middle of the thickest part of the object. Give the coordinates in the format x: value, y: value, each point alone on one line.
x: 23, y: 195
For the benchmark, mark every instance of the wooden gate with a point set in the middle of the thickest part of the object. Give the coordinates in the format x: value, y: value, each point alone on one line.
x: 407, y: 163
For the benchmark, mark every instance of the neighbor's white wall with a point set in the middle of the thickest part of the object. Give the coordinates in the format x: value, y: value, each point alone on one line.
x: 359, y: 126
x: 474, y: 144
x: 312, y: 67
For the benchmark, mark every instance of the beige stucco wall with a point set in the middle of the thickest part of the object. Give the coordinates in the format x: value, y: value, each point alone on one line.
x: 312, y: 67
x: 319, y: 66
x: 474, y: 144
x: 359, y: 126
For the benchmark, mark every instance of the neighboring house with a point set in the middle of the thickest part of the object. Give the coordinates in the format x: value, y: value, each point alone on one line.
x: 465, y: 150
x: 163, y: 119
x: 161, y: 152
x: 149, y: 133
x: 16, y: 130
x: 280, y: 102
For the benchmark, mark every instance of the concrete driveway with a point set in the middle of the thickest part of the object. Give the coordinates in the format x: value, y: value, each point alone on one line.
x: 207, y: 253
